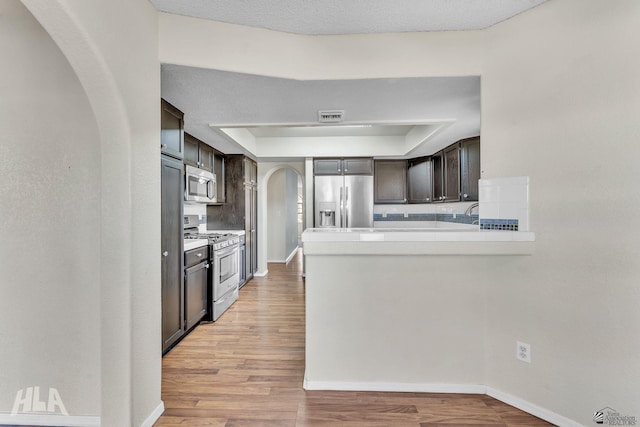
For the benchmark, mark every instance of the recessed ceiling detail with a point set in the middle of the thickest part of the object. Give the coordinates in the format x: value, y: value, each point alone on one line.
x: 376, y: 139
x: 328, y: 17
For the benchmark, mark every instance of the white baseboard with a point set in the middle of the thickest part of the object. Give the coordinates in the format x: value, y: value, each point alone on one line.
x: 399, y: 387
x: 49, y: 420
x: 285, y: 261
x: 153, y: 417
x: 509, y: 399
x: 261, y: 273
x: 291, y: 255
x: 532, y: 409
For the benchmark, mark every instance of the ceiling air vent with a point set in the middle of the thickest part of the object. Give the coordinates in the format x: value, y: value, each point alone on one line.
x: 330, y: 116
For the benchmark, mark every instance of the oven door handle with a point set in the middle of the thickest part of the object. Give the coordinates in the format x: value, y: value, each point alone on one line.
x: 226, y: 251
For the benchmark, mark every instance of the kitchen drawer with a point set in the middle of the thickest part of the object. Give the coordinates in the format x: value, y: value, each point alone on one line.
x: 194, y: 256
x: 224, y: 303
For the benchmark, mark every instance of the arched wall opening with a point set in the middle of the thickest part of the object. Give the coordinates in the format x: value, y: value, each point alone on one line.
x: 281, y: 204
x: 123, y: 93
x: 50, y: 205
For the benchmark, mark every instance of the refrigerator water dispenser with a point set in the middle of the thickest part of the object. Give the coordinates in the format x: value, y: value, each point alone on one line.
x: 326, y: 214
x: 327, y: 218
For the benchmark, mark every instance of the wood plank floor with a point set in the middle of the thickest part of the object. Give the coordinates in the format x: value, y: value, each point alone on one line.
x: 247, y: 368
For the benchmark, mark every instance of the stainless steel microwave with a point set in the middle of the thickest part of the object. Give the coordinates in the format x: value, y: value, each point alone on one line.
x: 200, y: 185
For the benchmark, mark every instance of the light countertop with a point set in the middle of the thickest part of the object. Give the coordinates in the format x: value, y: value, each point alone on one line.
x: 416, y: 241
x: 236, y: 232
x: 194, y: 243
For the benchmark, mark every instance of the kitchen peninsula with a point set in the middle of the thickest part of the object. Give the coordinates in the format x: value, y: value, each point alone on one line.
x: 403, y: 309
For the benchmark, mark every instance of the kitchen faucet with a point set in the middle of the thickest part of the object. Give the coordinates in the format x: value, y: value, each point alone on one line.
x: 470, y: 208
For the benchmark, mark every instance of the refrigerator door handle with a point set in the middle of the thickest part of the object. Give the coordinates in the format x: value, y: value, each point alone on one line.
x: 341, y: 208
x: 346, y: 207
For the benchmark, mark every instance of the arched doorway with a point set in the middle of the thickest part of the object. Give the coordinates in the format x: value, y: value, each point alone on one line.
x: 280, y: 212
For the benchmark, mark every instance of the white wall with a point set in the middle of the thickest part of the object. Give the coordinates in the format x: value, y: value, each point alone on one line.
x: 291, y: 212
x: 403, y: 323
x: 49, y: 233
x: 282, y: 225
x: 560, y: 103
x: 188, y: 41
x: 276, y: 222
x: 123, y: 89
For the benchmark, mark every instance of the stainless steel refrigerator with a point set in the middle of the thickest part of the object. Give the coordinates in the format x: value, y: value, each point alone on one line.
x: 343, y: 201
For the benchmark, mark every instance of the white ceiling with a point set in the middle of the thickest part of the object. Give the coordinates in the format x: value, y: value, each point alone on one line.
x: 326, y: 17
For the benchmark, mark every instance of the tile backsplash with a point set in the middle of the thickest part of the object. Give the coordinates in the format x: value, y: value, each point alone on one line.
x: 196, y: 209
x: 426, y: 213
x: 503, y: 206
x: 504, y: 203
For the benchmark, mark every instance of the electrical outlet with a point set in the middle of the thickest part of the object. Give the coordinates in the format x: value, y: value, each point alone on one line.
x: 523, y: 351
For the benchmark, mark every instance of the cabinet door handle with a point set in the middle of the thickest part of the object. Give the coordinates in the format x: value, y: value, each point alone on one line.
x: 163, y: 146
x: 165, y: 253
x: 199, y: 254
x: 206, y: 266
x: 465, y: 195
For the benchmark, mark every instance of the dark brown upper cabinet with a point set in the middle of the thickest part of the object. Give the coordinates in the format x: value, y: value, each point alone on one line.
x: 218, y: 169
x: 250, y: 172
x: 470, y: 168
x: 446, y: 174
x: 172, y: 130
x: 348, y: 166
x: 452, y: 173
x: 327, y: 167
x: 357, y: 166
x: 197, y: 153
x: 437, y: 165
x: 419, y: 180
x: 390, y: 181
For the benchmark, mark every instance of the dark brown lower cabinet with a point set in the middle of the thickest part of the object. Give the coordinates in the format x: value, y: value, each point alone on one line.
x: 196, y: 278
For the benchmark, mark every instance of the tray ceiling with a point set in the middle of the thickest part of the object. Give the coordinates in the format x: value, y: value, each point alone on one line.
x: 352, y: 16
